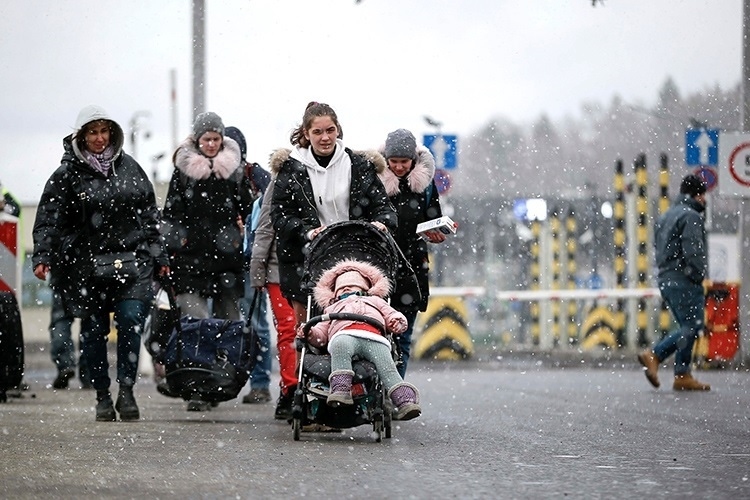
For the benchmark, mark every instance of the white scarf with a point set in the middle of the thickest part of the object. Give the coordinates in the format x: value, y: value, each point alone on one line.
x: 331, y: 185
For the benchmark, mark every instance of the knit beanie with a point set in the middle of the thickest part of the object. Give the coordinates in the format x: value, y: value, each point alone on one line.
x: 400, y: 144
x: 692, y: 185
x: 239, y: 137
x: 351, y: 278
x: 207, y: 122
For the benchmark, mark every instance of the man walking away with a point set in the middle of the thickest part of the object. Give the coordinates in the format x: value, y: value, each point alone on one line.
x: 681, y: 256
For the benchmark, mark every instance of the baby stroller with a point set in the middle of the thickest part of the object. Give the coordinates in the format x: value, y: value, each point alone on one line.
x: 345, y: 240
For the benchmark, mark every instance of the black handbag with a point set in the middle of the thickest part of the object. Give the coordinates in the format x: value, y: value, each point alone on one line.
x: 120, y: 266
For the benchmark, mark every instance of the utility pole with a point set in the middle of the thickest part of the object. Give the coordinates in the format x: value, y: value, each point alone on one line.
x: 199, y: 57
x: 173, y: 101
x: 744, y: 209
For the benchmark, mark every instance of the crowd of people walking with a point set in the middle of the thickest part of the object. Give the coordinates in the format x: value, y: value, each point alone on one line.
x: 231, y: 233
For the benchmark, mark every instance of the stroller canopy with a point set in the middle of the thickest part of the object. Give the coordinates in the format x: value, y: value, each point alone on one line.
x: 358, y: 240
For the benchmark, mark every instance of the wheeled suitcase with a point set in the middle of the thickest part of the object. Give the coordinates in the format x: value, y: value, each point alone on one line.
x: 208, y: 359
x: 11, y: 344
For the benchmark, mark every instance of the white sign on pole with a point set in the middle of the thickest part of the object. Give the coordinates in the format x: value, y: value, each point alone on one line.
x: 723, y: 257
x: 734, y: 165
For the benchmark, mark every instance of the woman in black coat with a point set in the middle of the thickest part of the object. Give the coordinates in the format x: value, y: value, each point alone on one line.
x: 321, y: 182
x: 208, y: 200
x: 409, y: 182
x: 99, y: 206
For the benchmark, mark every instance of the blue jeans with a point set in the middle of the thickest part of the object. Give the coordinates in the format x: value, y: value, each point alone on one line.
x: 404, y: 341
x: 130, y: 316
x: 62, y: 349
x: 260, y: 378
x: 688, y: 305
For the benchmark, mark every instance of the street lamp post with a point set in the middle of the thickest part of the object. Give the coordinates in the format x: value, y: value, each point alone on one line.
x: 438, y: 148
x: 137, y: 125
x: 155, y: 165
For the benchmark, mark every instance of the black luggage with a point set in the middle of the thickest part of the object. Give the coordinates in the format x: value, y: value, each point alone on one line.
x: 11, y: 344
x: 209, y: 359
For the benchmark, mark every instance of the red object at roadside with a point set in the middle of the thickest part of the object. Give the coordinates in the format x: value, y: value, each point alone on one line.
x: 722, y: 320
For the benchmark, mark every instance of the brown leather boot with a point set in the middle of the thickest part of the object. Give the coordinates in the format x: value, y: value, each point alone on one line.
x: 686, y: 382
x: 651, y: 365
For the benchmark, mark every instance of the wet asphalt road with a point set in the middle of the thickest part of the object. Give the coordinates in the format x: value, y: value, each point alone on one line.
x: 509, y: 428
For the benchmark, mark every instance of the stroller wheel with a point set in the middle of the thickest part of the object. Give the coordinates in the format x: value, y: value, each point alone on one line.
x: 296, y: 428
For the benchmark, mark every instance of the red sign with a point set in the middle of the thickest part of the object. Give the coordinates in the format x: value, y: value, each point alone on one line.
x: 709, y: 176
x: 739, y: 164
x: 8, y: 255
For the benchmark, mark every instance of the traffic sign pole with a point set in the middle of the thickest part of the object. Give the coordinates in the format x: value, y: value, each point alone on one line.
x: 744, y: 209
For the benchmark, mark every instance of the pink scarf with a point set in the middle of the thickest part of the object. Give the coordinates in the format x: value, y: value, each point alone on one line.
x: 101, y: 161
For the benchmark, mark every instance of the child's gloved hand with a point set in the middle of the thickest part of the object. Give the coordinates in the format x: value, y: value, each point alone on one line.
x: 301, y: 331
x: 397, y: 325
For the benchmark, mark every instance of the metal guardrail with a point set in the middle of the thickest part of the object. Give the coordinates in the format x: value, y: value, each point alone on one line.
x: 530, y: 295
x: 547, y: 297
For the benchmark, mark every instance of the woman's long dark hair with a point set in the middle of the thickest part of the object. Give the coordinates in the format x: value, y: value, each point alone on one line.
x: 313, y: 110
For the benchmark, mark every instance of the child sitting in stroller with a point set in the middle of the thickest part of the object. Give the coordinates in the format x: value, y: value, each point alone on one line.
x: 358, y: 287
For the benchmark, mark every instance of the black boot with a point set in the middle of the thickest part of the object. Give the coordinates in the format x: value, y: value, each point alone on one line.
x: 63, y: 376
x: 284, y: 405
x: 125, y: 405
x: 105, y: 412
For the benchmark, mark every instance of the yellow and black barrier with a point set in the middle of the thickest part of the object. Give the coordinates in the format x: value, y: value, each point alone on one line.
x: 599, y: 329
x: 444, y: 330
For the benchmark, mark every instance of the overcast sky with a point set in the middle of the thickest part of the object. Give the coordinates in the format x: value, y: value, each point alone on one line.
x: 382, y: 65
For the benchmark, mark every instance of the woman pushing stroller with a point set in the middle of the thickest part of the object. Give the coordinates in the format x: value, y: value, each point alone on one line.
x: 357, y: 287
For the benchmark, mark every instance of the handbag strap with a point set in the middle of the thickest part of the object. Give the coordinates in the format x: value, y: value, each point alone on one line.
x: 174, y: 310
x: 247, y: 347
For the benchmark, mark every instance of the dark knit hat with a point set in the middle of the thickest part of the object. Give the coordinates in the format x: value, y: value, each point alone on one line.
x: 693, y: 185
x: 400, y: 144
x: 207, y: 122
x: 239, y: 137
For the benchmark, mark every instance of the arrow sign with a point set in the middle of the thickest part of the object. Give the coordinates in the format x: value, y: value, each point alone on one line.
x: 703, y: 142
x: 443, y: 148
x: 702, y: 147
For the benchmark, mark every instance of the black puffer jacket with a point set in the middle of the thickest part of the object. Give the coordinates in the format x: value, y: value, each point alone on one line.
x: 206, y: 196
x: 294, y: 213
x: 82, y: 213
x: 416, y: 200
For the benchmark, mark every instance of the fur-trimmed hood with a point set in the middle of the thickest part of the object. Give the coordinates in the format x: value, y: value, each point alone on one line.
x: 193, y: 164
x: 419, y: 178
x: 279, y: 156
x: 324, y: 289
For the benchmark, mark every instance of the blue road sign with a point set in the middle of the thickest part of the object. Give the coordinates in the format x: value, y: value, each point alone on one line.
x: 443, y: 148
x: 702, y: 147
